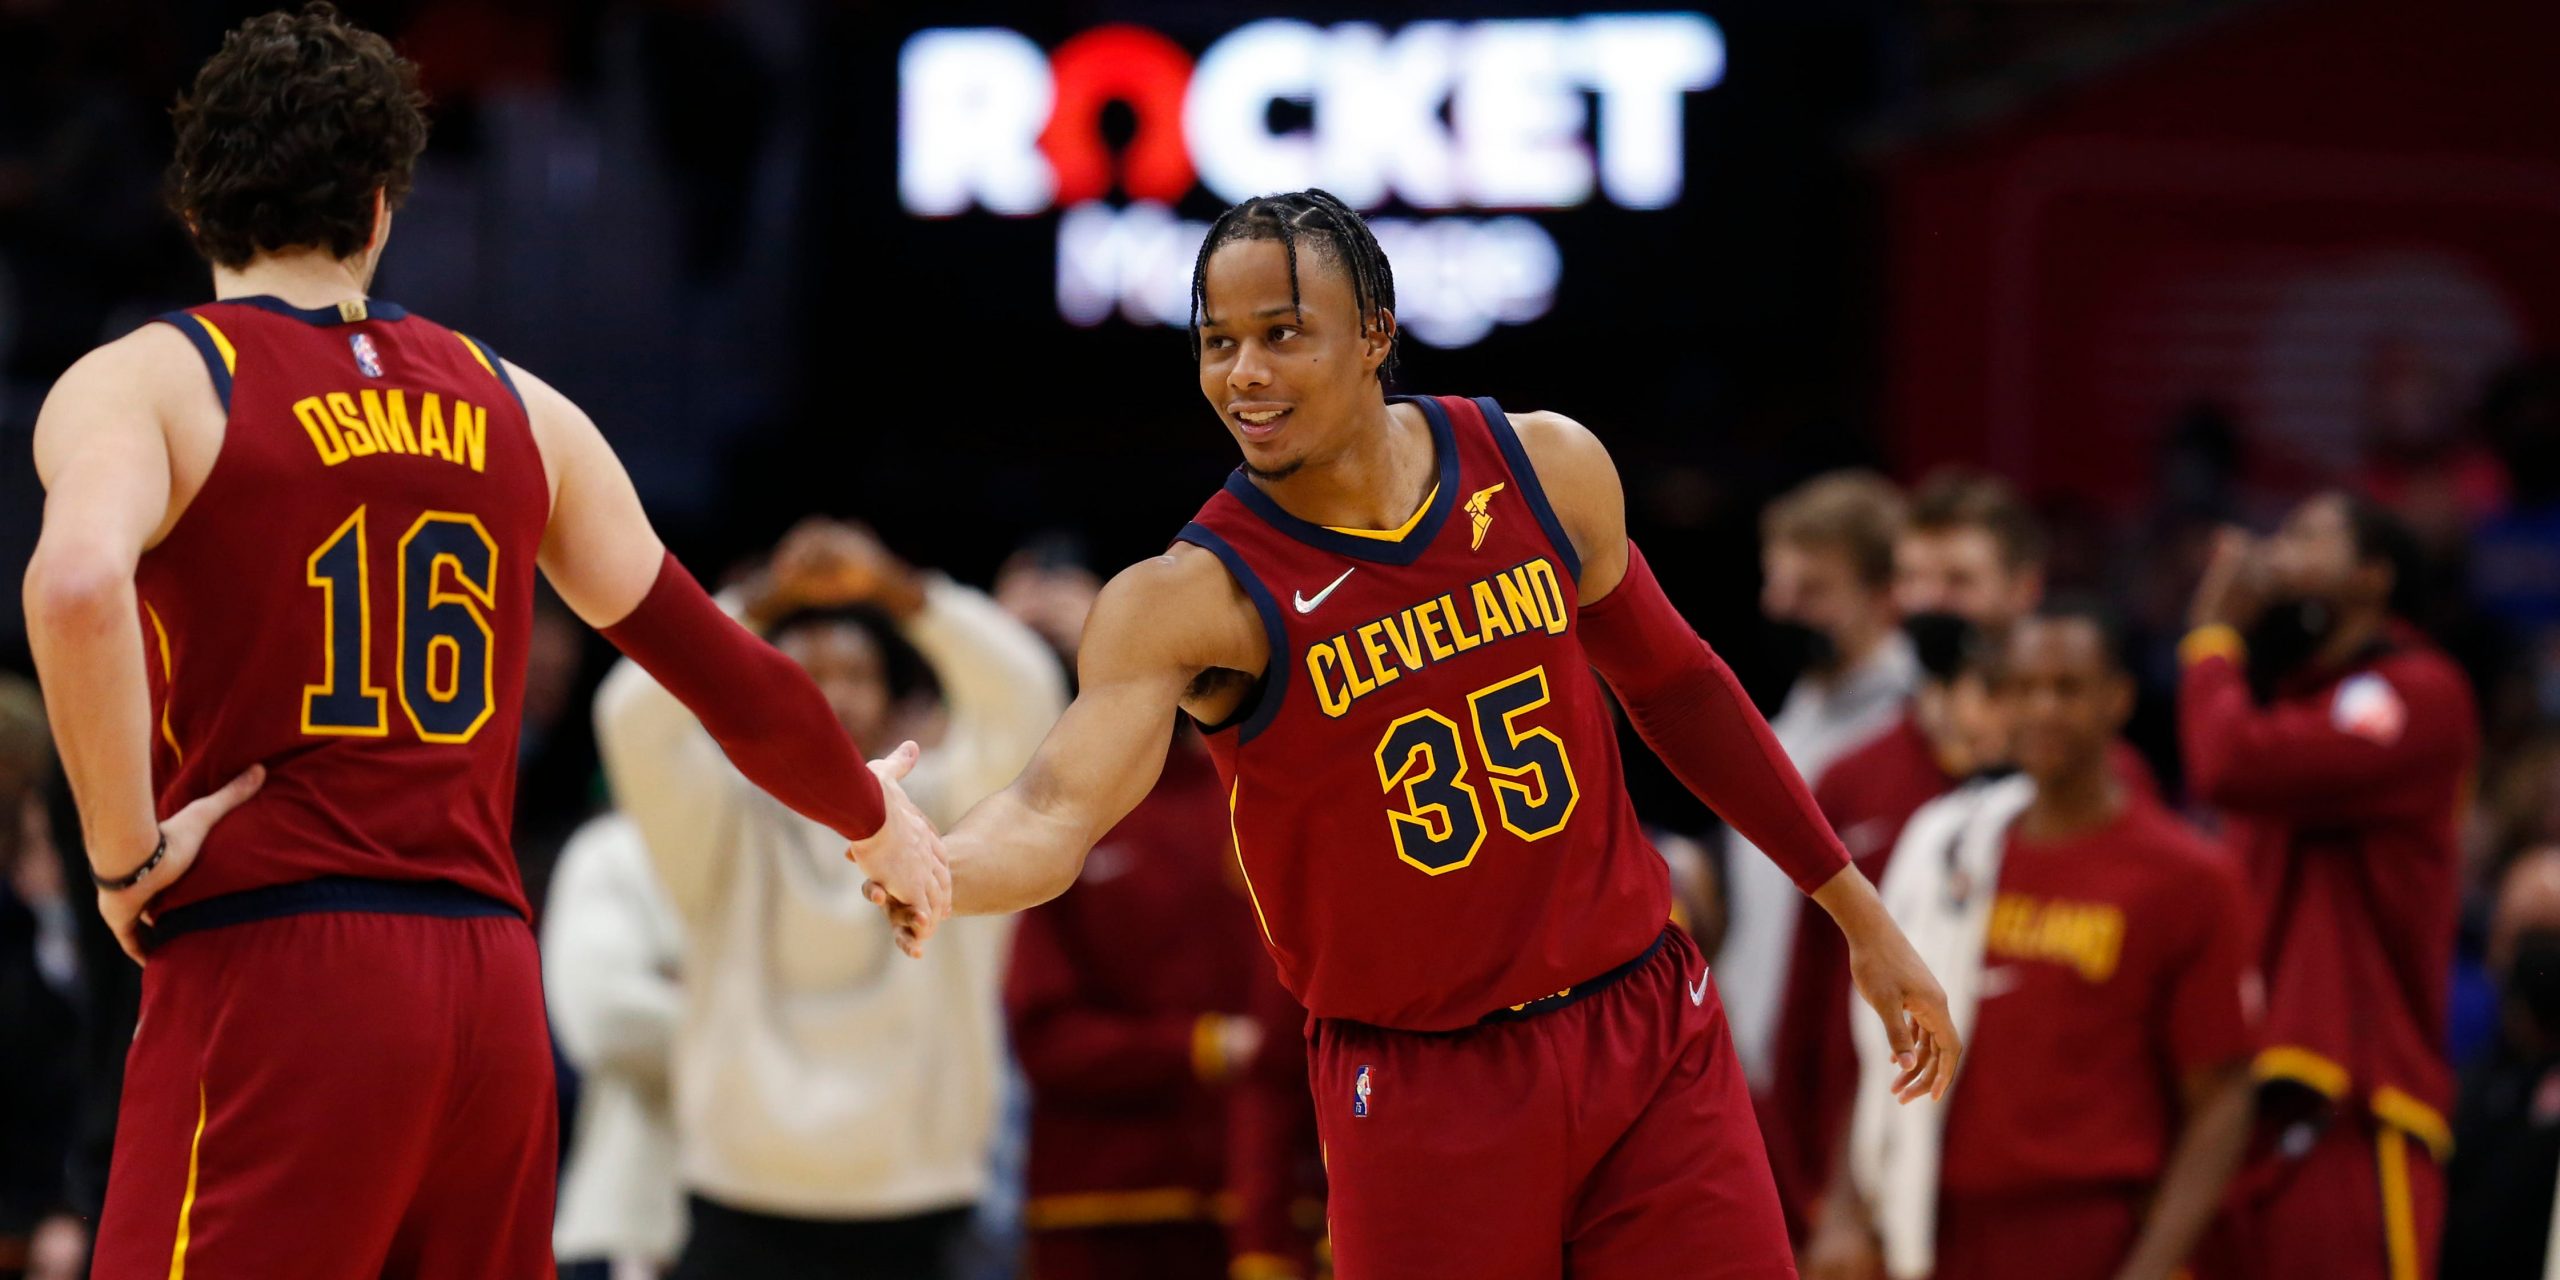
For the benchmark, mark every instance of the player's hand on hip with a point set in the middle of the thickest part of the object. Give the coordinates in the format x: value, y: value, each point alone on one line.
x: 1914, y: 1008
x: 903, y: 859
x: 184, y: 833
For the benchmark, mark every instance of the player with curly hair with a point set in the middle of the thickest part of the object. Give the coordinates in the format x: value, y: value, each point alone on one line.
x: 281, y: 606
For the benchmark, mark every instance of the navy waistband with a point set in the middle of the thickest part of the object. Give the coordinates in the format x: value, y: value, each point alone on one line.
x: 329, y: 893
x: 1583, y: 990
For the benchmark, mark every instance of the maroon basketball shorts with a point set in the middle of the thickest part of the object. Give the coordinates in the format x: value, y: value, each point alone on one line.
x: 346, y: 1092
x: 1605, y: 1133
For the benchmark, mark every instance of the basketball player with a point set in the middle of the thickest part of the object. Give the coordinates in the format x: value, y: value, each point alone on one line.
x: 280, y: 605
x: 1387, y: 623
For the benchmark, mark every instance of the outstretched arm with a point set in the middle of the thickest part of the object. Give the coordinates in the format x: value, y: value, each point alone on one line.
x: 767, y: 715
x: 1154, y: 630
x: 1691, y: 711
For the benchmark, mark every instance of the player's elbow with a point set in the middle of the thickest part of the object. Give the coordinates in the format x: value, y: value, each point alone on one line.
x: 74, y: 592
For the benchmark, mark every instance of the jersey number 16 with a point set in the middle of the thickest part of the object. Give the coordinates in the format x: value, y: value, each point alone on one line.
x: 448, y: 583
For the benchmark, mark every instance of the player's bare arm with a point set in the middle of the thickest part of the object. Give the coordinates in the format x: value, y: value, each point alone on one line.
x: 607, y: 562
x: 1169, y: 633
x: 122, y: 442
x: 2212, y: 1137
x: 1583, y: 486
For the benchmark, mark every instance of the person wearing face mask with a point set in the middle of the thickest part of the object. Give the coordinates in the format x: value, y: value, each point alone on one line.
x: 1827, y: 591
x: 2506, y: 1150
x: 1968, y: 565
x: 2335, y: 742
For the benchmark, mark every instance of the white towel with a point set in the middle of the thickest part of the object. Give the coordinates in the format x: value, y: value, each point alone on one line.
x: 1945, y: 874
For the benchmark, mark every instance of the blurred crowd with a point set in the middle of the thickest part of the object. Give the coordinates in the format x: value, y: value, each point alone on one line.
x: 2234, y: 823
x: 2253, y: 910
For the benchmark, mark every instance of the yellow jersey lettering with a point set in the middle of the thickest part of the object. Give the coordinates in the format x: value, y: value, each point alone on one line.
x: 1360, y: 686
x: 1520, y: 599
x: 431, y: 434
x: 1550, y: 595
x: 1524, y: 598
x: 1427, y: 616
x: 471, y: 435
x: 1459, y: 637
x: 1323, y: 666
x: 389, y: 424
x: 1400, y: 633
x: 1495, y: 624
x: 360, y: 442
x: 1381, y: 672
x: 2087, y: 937
x: 323, y: 431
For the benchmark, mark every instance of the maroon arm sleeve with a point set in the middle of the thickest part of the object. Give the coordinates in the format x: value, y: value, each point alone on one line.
x: 1688, y: 707
x: 761, y: 708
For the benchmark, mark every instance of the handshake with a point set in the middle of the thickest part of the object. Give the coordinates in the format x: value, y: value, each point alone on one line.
x: 907, y: 874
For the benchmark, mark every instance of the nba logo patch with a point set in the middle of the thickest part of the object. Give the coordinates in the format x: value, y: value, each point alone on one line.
x: 368, y: 360
x: 1360, y: 1094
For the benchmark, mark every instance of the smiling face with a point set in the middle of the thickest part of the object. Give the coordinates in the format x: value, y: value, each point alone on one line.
x: 2067, y: 696
x: 1289, y: 378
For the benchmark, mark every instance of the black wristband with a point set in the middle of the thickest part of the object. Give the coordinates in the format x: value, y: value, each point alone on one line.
x: 135, y: 877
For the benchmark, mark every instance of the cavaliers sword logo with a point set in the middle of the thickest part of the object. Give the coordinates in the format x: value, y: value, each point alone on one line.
x: 1479, y: 509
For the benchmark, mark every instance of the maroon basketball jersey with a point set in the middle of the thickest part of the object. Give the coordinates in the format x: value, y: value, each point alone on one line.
x: 347, y: 601
x: 1425, y: 788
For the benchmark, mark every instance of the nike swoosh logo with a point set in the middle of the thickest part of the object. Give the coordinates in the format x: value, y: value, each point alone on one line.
x: 1309, y: 606
x: 1698, y: 991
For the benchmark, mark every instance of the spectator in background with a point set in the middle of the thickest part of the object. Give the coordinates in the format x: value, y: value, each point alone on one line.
x: 834, y: 1101
x: 1969, y: 564
x: 39, y: 1023
x: 2335, y: 742
x: 610, y: 950
x: 1143, y: 1011
x: 1129, y: 1002
x: 2098, y: 950
x: 2506, y: 1136
x: 1827, y: 590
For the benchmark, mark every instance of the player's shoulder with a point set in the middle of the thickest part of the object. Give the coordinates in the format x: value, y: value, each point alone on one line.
x: 150, y: 374
x: 153, y: 356
x: 1180, y: 602
x: 1560, y: 447
x: 2185, y: 872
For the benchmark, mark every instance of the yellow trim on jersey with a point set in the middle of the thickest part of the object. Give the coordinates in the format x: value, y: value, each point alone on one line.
x: 230, y: 354
x: 473, y: 346
x: 168, y: 683
x: 187, y: 1206
x: 2399, y: 1215
x: 1395, y: 534
x: 1235, y: 841
x: 2405, y: 1113
x: 2302, y: 1066
x: 1116, y: 1208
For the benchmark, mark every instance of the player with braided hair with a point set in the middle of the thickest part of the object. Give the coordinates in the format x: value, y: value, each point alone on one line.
x: 1519, y: 1070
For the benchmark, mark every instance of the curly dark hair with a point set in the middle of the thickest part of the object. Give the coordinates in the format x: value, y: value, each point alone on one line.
x: 288, y: 132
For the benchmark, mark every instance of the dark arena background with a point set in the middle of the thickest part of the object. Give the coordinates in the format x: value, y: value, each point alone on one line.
x: 2161, y: 266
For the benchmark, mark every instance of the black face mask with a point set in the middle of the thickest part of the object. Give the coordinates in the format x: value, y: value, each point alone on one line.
x: 1941, y: 642
x: 2533, y: 979
x: 2286, y: 635
x: 1802, y: 647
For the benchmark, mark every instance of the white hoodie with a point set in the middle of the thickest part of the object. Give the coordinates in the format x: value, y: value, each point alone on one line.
x: 819, y: 1073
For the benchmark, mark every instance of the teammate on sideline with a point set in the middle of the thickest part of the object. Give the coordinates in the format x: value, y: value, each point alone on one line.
x: 280, y: 605
x: 1387, y: 622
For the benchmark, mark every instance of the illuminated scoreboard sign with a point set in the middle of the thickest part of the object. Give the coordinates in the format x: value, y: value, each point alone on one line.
x: 1502, y: 118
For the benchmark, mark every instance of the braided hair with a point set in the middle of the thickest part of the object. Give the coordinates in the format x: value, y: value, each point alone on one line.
x: 1332, y: 228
